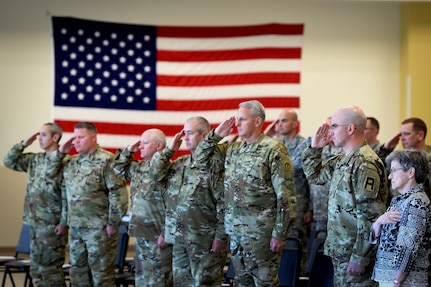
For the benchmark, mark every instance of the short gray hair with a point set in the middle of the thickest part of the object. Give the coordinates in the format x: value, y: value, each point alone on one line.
x: 255, y: 107
x: 55, y: 130
x: 411, y: 158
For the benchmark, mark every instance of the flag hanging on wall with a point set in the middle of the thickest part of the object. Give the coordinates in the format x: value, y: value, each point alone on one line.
x: 128, y: 78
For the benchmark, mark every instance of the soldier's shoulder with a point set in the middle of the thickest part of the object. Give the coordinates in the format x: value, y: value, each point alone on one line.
x: 366, y: 154
x: 104, y: 153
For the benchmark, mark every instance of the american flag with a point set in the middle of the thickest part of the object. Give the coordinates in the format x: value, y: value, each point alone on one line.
x: 128, y: 78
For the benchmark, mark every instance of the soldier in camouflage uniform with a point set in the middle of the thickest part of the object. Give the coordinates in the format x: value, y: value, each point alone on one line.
x: 96, y: 203
x: 357, y: 194
x: 371, y: 131
x: 287, y: 127
x: 319, y: 197
x: 42, y: 206
x: 147, y: 210
x: 319, y: 193
x: 194, y: 210
x: 259, y: 194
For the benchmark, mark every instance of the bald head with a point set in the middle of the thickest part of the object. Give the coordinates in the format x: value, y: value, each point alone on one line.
x: 347, y: 128
x: 287, y: 123
x: 352, y: 115
x: 155, y: 135
x: 152, y: 140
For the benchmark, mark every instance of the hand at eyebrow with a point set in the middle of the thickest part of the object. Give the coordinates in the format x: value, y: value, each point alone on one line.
x: 321, y: 137
x: 134, y: 146
x: 393, y: 142
x: 67, y: 146
x: 176, y: 141
x: 225, y: 128
x: 30, y: 139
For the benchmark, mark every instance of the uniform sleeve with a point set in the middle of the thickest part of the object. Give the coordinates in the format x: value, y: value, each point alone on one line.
x: 160, y: 163
x: 207, y: 146
x: 16, y: 160
x: 118, y: 196
x: 217, y: 166
x: 366, y: 183
x: 284, y: 187
x: 122, y: 165
x: 317, y: 171
x: 54, y: 164
x: 64, y: 208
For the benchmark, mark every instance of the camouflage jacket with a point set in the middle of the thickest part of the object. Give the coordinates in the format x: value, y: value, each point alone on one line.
x: 259, y: 187
x: 295, y: 149
x: 42, y: 201
x: 96, y: 196
x: 194, y: 206
x: 357, y: 196
x: 147, y: 195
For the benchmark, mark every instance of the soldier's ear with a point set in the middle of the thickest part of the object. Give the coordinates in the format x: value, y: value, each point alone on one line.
x: 56, y: 137
x: 421, y: 135
x: 258, y: 121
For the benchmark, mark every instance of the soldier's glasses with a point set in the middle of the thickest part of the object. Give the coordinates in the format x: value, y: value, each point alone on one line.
x: 334, y: 126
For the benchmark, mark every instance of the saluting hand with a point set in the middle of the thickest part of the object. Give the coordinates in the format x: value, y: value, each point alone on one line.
x: 134, y: 146
x: 225, y: 128
x: 176, y: 141
x: 321, y: 137
x: 67, y: 146
x: 393, y: 142
x: 270, y: 130
x: 28, y: 141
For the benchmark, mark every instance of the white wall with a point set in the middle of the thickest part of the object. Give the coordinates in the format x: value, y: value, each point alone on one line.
x: 350, y: 56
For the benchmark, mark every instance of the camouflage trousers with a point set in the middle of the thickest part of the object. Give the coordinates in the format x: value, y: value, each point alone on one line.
x: 319, y: 199
x: 194, y: 265
x: 341, y: 279
x: 153, y: 265
x: 254, y: 263
x: 92, y: 257
x: 47, y: 253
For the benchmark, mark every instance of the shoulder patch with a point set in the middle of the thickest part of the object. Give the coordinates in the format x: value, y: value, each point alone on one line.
x: 369, y: 183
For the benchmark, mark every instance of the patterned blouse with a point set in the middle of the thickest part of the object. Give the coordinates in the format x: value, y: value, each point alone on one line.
x: 405, y: 246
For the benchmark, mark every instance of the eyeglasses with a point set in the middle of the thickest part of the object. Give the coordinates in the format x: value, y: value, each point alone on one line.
x: 191, y: 133
x: 394, y: 170
x: 334, y: 126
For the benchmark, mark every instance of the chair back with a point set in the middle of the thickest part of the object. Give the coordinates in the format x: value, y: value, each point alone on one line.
x: 123, y: 245
x: 314, y: 245
x: 23, y: 246
x: 290, y: 263
x: 322, y: 270
x: 230, y: 273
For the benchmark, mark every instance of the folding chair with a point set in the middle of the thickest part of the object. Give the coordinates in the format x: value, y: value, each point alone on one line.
x: 229, y: 275
x: 290, y: 263
x: 19, y: 264
x: 127, y: 278
x: 322, y: 270
x: 123, y: 277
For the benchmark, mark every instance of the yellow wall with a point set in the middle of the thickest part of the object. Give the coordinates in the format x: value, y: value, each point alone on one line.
x: 12, y: 197
x: 416, y: 62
